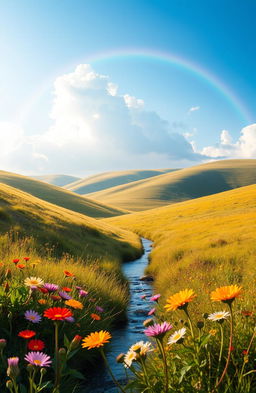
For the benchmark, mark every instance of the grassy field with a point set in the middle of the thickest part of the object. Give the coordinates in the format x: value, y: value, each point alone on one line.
x: 58, y: 196
x: 107, y: 180
x: 57, y: 180
x: 185, y: 184
x: 201, y: 244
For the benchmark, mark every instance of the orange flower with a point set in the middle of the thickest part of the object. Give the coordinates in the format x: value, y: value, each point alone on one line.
x: 96, y: 317
x: 27, y: 334
x: 42, y: 301
x: 58, y: 313
x: 247, y: 313
x: 68, y: 274
x: 55, y: 297
x: 96, y: 339
x: 1, y: 264
x: 74, y: 304
x: 180, y: 300
x: 66, y: 289
x: 226, y: 294
x: 20, y: 266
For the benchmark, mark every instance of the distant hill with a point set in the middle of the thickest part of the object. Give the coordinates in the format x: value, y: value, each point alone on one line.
x: 58, y: 196
x: 184, y: 184
x: 107, y: 180
x: 65, y: 230
x: 201, y: 244
x: 57, y: 180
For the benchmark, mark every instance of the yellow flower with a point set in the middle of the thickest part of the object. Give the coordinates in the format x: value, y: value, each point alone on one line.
x: 42, y: 301
x: 226, y: 294
x: 180, y: 300
x: 74, y: 304
x: 96, y: 339
x: 213, y: 332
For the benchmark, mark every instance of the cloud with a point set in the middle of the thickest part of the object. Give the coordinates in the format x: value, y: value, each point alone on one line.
x: 193, y: 109
x: 95, y: 129
x: 244, y: 147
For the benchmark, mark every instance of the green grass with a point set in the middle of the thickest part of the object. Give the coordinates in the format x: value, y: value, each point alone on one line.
x: 184, y: 184
x: 201, y: 244
x: 58, y: 196
x: 103, y: 181
x: 57, y: 180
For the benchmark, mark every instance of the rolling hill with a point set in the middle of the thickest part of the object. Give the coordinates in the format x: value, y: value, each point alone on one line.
x: 201, y: 244
x: 66, y: 231
x: 184, y: 184
x: 107, y: 180
x: 58, y: 196
x: 57, y: 180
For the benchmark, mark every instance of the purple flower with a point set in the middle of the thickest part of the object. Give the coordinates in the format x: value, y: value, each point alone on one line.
x: 51, y: 287
x: 13, y: 368
x: 152, y: 311
x: 155, y: 298
x: 33, y: 316
x: 158, y: 330
x: 39, y: 359
x: 99, y: 309
x: 64, y: 295
x: 82, y: 293
x: 70, y: 319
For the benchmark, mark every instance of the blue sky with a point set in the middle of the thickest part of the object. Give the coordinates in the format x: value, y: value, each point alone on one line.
x: 130, y: 42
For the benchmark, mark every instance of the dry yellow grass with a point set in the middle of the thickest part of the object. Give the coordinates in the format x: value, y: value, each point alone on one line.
x: 201, y: 244
x: 180, y: 185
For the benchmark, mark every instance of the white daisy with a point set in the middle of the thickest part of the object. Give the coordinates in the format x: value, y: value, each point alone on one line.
x: 129, y: 358
x: 219, y: 316
x: 177, y: 336
x: 33, y: 282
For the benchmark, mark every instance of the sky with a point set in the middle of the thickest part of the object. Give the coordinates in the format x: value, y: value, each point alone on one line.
x: 90, y: 86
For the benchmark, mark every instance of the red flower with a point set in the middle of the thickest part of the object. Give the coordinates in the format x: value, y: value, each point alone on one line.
x: 43, y: 290
x: 247, y: 313
x: 15, y: 261
x: 58, y: 313
x: 68, y: 274
x: 231, y: 348
x: 27, y: 334
x: 96, y: 317
x: 36, y: 345
x: 245, y: 352
x: 55, y: 297
x: 20, y: 266
x: 26, y: 259
x: 66, y: 289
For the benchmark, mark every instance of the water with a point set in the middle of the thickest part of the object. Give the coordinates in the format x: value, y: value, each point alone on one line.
x: 132, y: 331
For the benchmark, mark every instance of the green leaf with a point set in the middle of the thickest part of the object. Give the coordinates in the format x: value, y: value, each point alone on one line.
x: 76, y: 374
x: 183, y: 372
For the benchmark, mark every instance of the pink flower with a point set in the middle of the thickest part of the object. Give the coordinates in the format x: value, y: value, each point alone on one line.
x: 155, y: 298
x: 152, y: 311
x: 158, y: 330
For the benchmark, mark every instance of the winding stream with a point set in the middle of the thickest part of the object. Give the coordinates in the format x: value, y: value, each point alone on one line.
x: 132, y: 331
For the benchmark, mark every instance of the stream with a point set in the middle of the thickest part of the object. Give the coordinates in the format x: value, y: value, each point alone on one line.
x: 132, y: 331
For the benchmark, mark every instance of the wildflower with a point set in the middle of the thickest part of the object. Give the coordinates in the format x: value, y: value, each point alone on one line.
x: 56, y: 298
x: 95, y: 317
x: 57, y: 313
x: 16, y: 260
x: 120, y: 358
x: 148, y: 322
x: 78, y: 288
x: 141, y: 348
x: 74, y: 304
x: 226, y: 294
x: 152, y: 311
x: 66, y: 289
x: 68, y: 274
x: 219, y: 316
x: 20, y: 266
x: 38, y: 359
x: 180, y: 300
x: 1, y: 264
x: 158, y: 330
x: 177, y: 337
x: 42, y: 301
x: 99, y: 309
x: 143, y: 297
x: 130, y: 357
x: 70, y: 319
x: 96, y: 339
x: 36, y: 345
x: 82, y: 293
x: 27, y: 334
x: 33, y: 264
x: 245, y: 352
x: 26, y: 259
x: 13, y: 368
x: 231, y: 348
x: 247, y: 313
x: 155, y: 297
x: 2, y: 343
x: 33, y: 282
x: 51, y: 287
x: 6, y: 287
x: 213, y: 332
x: 64, y: 295
x: 33, y: 316
x: 43, y: 290
x: 75, y: 342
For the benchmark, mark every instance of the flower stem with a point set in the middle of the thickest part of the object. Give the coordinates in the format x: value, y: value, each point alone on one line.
x: 57, y: 360
x: 162, y: 350
x: 190, y: 322
x: 110, y: 372
x: 221, y: 350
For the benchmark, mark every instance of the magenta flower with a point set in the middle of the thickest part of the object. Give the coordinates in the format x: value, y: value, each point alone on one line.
x: 99, y: 309
x: 155, y: 298
x: 13, y: 367
x: 152, y: 311
x: 39, y: 359
x: 64, y: 295
x: 33, y: 316
x: 51, y: 287
x: 158, y: 330
x: 82, y: 293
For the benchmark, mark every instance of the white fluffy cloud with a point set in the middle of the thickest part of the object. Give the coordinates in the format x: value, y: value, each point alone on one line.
x: 193, y: 109
x: 244, y: 147
x: 94, y: 129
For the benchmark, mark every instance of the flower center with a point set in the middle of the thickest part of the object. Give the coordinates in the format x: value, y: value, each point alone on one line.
x: 37, y: 362
x: 58, y: 316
